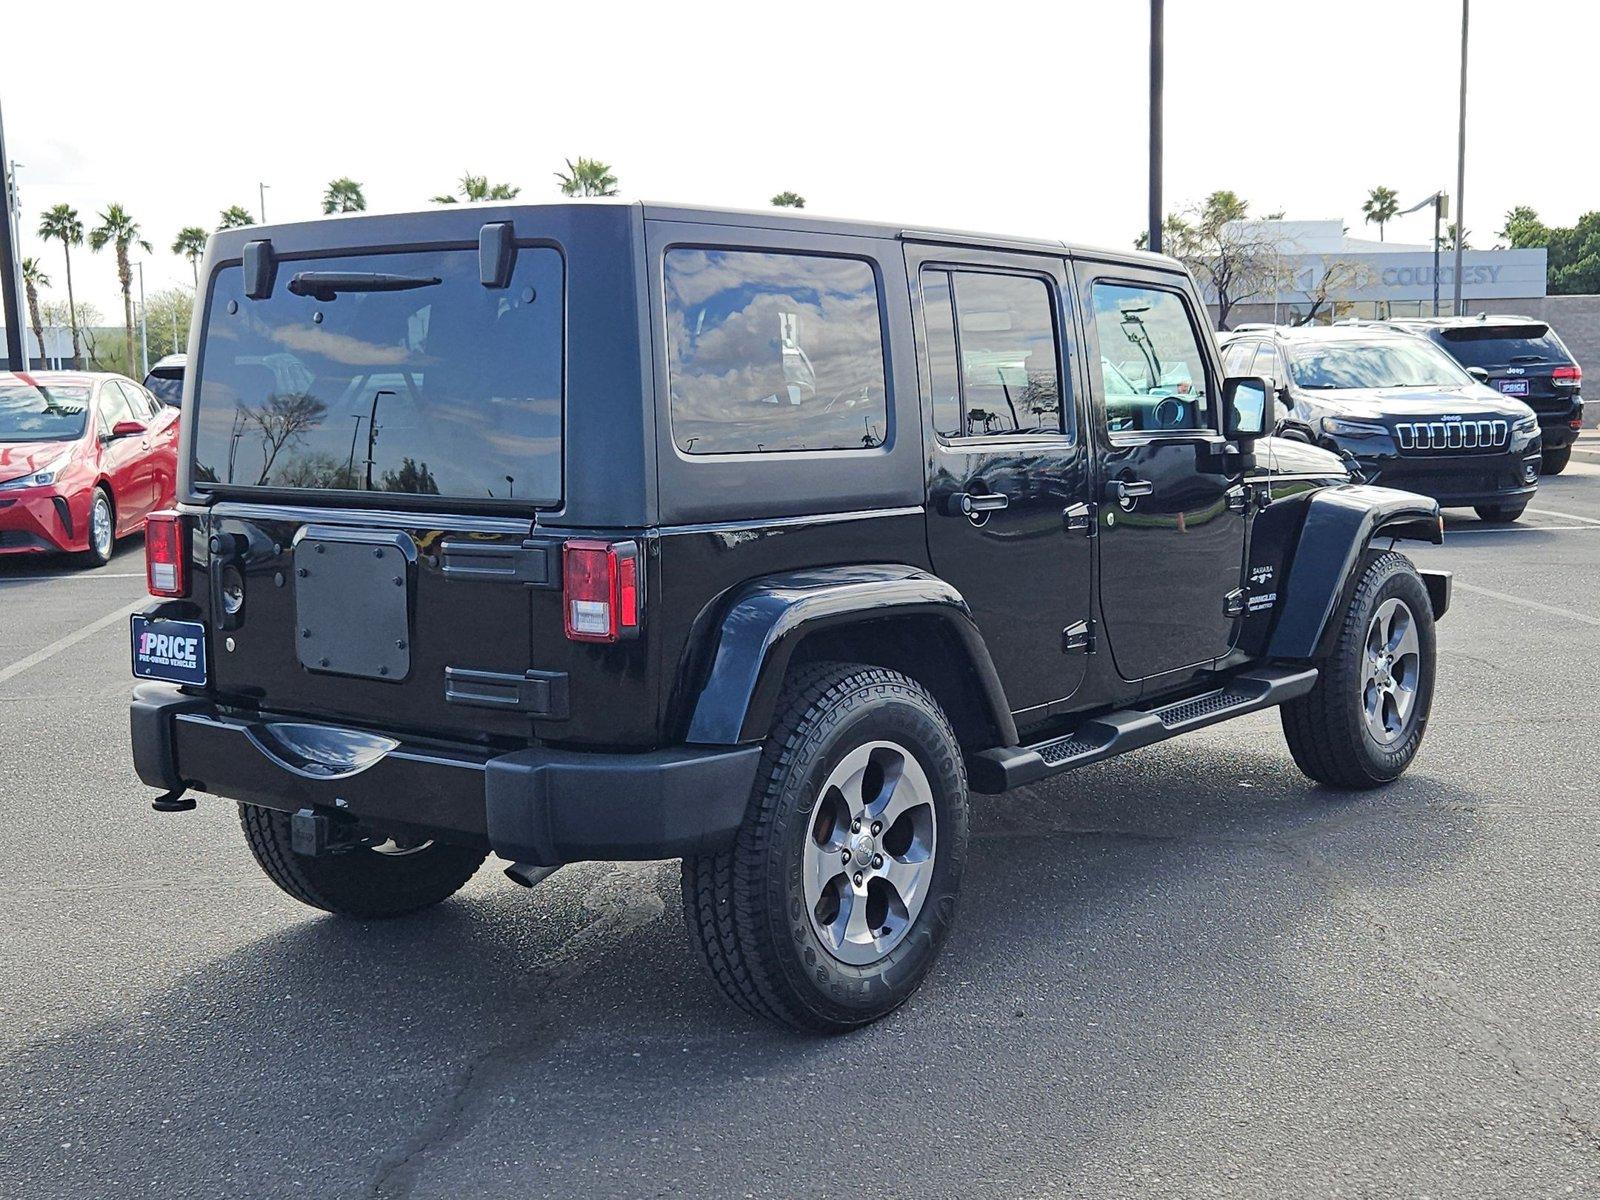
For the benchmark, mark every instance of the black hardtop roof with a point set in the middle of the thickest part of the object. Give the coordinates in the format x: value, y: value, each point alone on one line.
x: 452, y: 221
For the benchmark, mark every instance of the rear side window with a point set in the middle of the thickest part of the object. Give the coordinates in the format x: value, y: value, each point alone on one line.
x: 404, y: 374
x: 992, y: 364
x: 770, y: 352
x: 1503, y: 345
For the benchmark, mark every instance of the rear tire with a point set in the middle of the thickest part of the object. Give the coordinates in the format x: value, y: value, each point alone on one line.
x: 1362, y: 723
x: 1553, y: 462
x: 102, y: 529
x: 360, y: 882
x: 1500, y: 514
x: 788, y: 929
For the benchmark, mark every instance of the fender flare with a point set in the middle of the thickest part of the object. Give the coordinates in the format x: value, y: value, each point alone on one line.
x: 769, y: 617
x: 1338, y: 527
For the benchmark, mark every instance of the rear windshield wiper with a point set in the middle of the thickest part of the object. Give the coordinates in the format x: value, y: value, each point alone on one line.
x: 325, y: 285
x: 1527, y: 358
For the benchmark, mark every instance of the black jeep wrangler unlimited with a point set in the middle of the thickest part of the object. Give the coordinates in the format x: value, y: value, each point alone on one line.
x: 609, y: 531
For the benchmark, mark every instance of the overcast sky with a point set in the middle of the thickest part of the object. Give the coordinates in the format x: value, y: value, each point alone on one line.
x: 1023, y: 118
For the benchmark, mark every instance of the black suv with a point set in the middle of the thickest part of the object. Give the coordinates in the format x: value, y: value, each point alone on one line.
x: 1519, y: 357
x: 608, y: 531
x: 1401, y: 411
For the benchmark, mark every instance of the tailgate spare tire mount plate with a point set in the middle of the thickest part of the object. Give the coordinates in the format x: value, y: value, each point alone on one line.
x: 352, y: 599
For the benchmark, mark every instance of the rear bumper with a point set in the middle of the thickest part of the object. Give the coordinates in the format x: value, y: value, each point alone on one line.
x: 538, y: 805
x: 1558, y: 428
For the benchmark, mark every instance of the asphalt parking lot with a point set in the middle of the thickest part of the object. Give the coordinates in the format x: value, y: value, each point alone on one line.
x: 1184, y: 972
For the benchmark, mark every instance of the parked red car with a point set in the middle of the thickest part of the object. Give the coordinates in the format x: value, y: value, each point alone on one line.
x: 84, y: 459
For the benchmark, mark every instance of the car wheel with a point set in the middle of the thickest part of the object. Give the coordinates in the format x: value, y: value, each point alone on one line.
x: 1362, y: 723
x: 1500, y: 514
x: 102, y: 529
x: 379, y: 878
x: 1553, y: 462
x: 831, y: 906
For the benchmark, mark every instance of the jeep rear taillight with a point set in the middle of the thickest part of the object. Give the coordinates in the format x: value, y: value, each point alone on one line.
x: 601, y: 594
x: 166, y: 564
x: 1567, y: 376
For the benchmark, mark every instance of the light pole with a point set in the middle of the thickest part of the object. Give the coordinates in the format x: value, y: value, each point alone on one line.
x: 1441, y: 209
x: 11, y: 304
x: 262, y: 190
x: 1461, y: 165
x: 144, y: 341
x: 1157, y: 71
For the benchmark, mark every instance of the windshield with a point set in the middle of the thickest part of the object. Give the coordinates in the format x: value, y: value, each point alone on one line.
x: 41, y: 413
x: 386, y: 373
x: 1374, y: 365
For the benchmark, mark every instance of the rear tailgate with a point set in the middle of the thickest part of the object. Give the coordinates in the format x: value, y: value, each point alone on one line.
x: 377, y: 432
x: 1520, y: 359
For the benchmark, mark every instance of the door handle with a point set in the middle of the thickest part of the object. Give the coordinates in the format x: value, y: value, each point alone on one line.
x: 1127, y: 489
x: 965, y: 504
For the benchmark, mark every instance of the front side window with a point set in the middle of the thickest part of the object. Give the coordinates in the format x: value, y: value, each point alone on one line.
x: 992, y: 362
x: 1151, y: 361
x: 1397, y: 364
x: 772, y: 352
x: 389, y: 373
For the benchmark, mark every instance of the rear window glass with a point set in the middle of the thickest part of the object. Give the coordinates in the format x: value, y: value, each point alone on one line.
x: 166, y: 388
x: 41, y: 413
x: 434, y: 386
x: 1500, y: 346
x: 773, y: 352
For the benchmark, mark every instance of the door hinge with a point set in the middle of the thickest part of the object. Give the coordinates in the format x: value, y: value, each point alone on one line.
x: 1079, y: 518
x: 1078, y: 636
x: 1238, y: 500
x: 1233, y: 603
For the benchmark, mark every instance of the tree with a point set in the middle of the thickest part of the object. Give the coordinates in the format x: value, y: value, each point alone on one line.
x: 1334, y: 276
x: 235, y: 216
x: 344, y: 195
x: 1448, y: 242
x: 1574, y: 256
x: 788, y: 200
x: 1381, y: 206
x: 120, y: 230
x: 166, y: 319
x: 34, y: 278
x: 476, y: 188
x: 587, y: 177
x: 1523, y: 229
x: 279, y: 420
x: 191, y: 243
x: 62, y: 224
x: 1229, y: 256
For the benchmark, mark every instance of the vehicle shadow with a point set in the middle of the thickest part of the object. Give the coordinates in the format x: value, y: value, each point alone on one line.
x: 127, y: 556
x: 1114, y: 928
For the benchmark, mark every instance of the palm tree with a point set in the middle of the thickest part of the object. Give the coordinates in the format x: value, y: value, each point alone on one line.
x: 62, y: 224
x: 587, y: 177
x: 118, y: 229
x: 344, y: 195
x: 191, y: 243
x: 788, y: 200
x: 34, y: 278
x: 1381, y: 205
x: 235, y: 216
x: 1449, y: 242
x: 475, y: 188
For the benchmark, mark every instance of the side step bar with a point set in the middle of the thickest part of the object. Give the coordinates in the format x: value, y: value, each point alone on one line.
x: 1117, y: 732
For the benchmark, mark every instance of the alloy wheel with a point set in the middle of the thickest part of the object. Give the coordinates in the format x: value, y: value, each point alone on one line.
x: 1392, y: 667
x: 869, y: 852
x: 100, y: 526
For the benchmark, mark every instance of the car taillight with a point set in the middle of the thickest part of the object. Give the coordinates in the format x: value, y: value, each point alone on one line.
x: 602, y: 596
x: 165, y: 562
x: 1567, y: 376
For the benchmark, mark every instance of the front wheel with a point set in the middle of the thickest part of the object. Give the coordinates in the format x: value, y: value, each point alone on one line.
x: 1553, y: 462
x: 1500, y: 514
x: 102, y: 530
x: 1362, y: 723
x: 830, y: 907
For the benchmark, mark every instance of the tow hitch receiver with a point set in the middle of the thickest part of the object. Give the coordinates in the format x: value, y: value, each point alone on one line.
x: 314, y: 834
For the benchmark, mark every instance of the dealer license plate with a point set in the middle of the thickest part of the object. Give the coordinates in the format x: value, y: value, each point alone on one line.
x: 174, y: 651
x: 1512, y: 387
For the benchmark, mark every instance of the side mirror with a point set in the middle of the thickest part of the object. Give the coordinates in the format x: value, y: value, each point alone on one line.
x: 125, y: 429
x: 1246, y: 407
x: 1479, y: 374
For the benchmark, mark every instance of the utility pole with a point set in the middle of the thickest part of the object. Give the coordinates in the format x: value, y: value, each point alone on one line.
x: 1461, y: 165
x: 261, y: 188
x: 10, y: 263
x: 144, y: 339
x: 1157, y: 70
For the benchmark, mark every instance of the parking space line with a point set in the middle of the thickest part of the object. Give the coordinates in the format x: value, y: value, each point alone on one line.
x: 1452, y: 532
x: 1523, y: 602
x: 72, y: 639
x: 1550, y: 512
x: 86, y: 576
